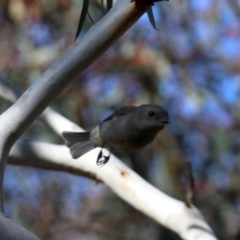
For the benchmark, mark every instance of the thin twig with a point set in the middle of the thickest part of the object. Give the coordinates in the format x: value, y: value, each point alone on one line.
x: 190, y: 185
x: 91, y: 19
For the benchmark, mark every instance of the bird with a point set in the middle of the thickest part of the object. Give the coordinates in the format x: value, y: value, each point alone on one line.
x: 128, y: 129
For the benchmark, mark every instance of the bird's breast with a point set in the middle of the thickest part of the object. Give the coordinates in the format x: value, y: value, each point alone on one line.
x: 130, y: 142
x: 95, y: 137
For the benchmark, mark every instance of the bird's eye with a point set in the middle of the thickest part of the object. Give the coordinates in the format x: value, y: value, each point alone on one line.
x: 151, y: 113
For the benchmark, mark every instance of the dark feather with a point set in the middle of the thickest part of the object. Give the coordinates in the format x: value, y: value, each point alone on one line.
x: 80, y: 148
x: 76, y: 136
x: 120, y: 112
x: 78, y: 142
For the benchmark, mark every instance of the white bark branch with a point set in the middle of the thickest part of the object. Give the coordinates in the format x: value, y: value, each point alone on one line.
x: 53, y: 119
x: 96, y: 41
x: 187, y: 222
x: 46, y: 156
x: 59, y: 123
x: 167, y: 211
x: 173, y: 214
x: 35, y: 100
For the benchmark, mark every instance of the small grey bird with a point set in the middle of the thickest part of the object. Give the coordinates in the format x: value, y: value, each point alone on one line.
x: 127, y: 130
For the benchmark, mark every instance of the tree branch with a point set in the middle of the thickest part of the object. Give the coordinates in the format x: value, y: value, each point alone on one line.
x: 46, y: 156
x: 187, y: 222
x: 31, y: 104
x: 57, y: 157
x: 97, y: 40
x: 50, y: 117
x: 167, y: 211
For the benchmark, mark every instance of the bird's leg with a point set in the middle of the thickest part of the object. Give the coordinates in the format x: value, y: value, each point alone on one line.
x: 109, y: 155
x: 99, y: 155
x: 102, y: 160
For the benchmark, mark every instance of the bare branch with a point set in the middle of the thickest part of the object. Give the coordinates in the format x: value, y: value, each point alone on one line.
x: 190, y: 185
x: 187, y: 222
x: 169, y: 212
x: 58, y: 123
x: 12, y: 231
x: 46, y: 156
x: 54, y: 120
x: 57, y: 157
x: 35, y: 100
x: 97, y: 40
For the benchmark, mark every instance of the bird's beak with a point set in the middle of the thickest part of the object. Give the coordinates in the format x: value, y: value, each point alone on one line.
x: 165, y: 120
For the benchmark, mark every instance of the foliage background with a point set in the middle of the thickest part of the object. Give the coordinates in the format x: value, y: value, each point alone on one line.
x: 190, y: 66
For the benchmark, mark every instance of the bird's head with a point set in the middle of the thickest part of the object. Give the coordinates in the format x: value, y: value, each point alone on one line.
x: 151, y: 117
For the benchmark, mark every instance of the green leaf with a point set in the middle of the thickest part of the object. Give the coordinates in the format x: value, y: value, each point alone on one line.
x: 151, y: 18
x: 82, y: 17
x: 109, y: 4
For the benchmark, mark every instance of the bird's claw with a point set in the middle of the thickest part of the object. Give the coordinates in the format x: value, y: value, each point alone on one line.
x: 102, y: 160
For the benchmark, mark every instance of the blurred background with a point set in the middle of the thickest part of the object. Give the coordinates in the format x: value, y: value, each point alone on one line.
x: 190, y: 66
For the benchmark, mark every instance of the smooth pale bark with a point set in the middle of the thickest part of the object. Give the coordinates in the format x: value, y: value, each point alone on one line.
x: 167, y: 211
x: 35, y: 100
x: 37, y: 97
x: 187, y: 222
x: 53, y: 119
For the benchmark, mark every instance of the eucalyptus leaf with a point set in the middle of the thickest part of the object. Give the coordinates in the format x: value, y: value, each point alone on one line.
x: 151, y: 17
x: 82, y: 17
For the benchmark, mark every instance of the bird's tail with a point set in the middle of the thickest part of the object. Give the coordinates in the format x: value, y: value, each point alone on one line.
x: 78, y: 142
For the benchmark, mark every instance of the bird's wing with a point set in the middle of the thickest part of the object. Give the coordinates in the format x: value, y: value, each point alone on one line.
x: 120, y: 112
